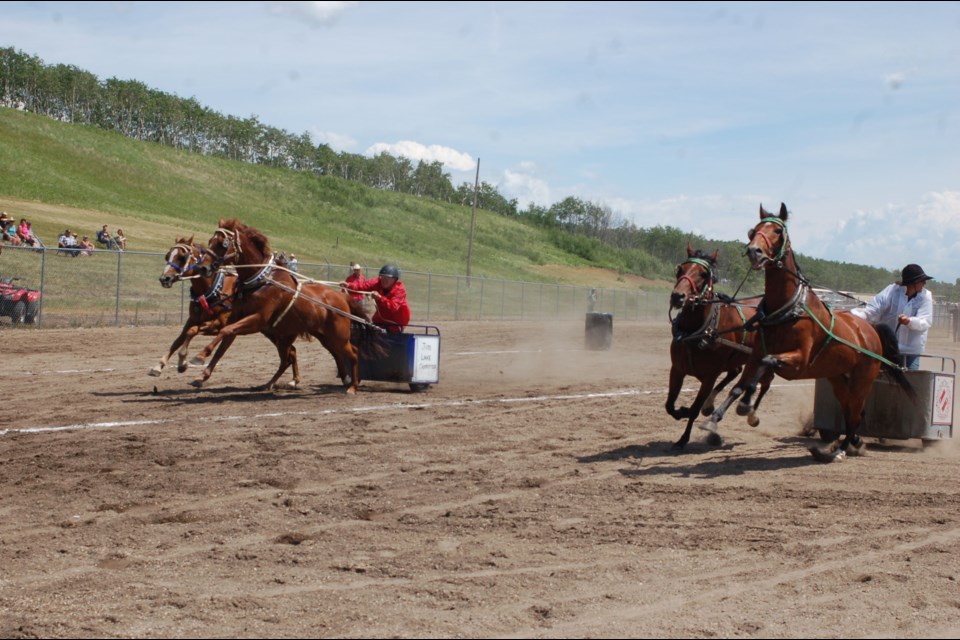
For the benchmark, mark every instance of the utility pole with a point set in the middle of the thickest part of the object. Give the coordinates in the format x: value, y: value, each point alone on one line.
x: 473, y: 220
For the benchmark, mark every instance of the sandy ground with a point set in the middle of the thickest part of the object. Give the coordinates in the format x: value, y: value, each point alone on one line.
x: 532, y: 493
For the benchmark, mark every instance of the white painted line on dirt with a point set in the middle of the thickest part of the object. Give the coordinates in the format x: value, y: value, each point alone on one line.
x: 372, y: 408
x: 489, y: 353
x: 70, y: 371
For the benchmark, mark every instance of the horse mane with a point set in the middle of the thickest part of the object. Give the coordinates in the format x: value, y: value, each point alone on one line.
x: 252, y: 234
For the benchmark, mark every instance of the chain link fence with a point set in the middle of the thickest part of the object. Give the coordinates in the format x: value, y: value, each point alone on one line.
x: 112, y: 288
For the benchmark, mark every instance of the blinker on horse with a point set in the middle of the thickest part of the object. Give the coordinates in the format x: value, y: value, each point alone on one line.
x: 801, y: 338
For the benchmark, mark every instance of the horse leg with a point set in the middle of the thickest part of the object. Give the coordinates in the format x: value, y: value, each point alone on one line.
x: 283, y: 345
x: 709, y: 402
x: 295, y: 383
x: 201, y: 357
x: 225, y: 343
x: 676, y: 382
x: 706, y: 388
x: 851, y: 393
x: 173, y: 347
x: 711, y: 423
x: 768, y: 362
x: 182, y: 354
x: 752, y: 418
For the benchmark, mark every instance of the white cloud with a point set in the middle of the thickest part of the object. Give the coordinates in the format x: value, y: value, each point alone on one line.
x: 525, y: 187
x: 450, y: 158
x: 336, y: 141
x: 315, y: 14
x: 927, y: 234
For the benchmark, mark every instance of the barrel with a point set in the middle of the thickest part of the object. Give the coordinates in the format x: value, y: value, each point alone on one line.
x: 599, y: 331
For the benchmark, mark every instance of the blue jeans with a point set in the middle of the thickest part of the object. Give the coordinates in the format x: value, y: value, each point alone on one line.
x: 911, y: 362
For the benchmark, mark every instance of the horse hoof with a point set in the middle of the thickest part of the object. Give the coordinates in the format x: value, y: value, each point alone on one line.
x: 197, y: 361
x: 743, y: 409
x: 714, y: 439
x: 829, y: 454
x: 709, y: 425
x: 196, y: 383
x: 351, y: 391
x: 181, y: 367
x: 855, y: 449
x: 707, y: 410
x: 155, y: 372
x: 753, y: 420
x: 293, y: 384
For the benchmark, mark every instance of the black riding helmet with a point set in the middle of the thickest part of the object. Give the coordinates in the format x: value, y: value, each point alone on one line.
x: 391, y: 271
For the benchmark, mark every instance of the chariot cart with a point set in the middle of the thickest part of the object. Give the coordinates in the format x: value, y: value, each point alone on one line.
x: 411, y: 357
x: 889, y: 413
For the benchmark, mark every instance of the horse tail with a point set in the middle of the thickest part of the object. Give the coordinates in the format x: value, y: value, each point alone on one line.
x: 891, y: 352
x: 356, y: 308
x: 368, y: 338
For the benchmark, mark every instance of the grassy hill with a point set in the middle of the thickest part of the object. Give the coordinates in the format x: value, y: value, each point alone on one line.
x: 59, y: 175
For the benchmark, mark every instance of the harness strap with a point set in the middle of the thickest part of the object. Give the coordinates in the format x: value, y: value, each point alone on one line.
x: 357, y: 319
x: 289, y: 304
x: 851, y: 345
x: 833, y: 321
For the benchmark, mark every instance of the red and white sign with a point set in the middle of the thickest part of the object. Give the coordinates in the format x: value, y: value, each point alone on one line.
x: 943, y: 400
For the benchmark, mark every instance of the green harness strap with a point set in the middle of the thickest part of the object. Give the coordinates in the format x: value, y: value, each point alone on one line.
x: 842, y: 341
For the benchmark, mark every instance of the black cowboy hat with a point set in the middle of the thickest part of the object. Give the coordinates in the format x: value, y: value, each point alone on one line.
x: 912, y: 274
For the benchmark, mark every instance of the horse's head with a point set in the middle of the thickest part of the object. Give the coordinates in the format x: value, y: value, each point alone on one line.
x: 769, y: 241
x: 223, y: 247
x: 236, y: 244
x: 181, y: 260
x: 694, y: 278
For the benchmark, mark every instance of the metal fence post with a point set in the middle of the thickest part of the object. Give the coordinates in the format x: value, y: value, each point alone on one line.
x: 43, y: 272
x: 116, y: 317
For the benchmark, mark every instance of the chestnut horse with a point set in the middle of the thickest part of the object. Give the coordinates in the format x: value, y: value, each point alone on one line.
x: 210, y: 306
x: 709, y: 339
x: 801, y: 338
x: 273, y: 301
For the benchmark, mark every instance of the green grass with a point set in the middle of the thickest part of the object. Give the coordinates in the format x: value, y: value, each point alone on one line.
x: 59, y: 175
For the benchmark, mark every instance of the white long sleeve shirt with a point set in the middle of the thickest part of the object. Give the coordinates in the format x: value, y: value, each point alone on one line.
x: 889, y: 304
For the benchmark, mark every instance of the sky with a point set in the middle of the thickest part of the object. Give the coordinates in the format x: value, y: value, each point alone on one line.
x: 683, y: 114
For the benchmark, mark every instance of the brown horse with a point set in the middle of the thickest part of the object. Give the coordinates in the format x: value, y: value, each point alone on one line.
x: 801, y: 338
x: 709, y: 339
x: 210, y: 306
x: 273, y: 301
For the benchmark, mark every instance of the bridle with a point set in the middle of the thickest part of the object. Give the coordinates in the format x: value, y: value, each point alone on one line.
x: 784, y: 247
x: 706, y: 290
x: 232, y: 248
x: 192, y: 256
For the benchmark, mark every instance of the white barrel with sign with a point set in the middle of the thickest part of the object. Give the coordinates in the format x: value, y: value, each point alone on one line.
x: 412, y: 357
x: 889, y: 413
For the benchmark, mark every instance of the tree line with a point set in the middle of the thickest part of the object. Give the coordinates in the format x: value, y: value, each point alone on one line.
x: 592, y: 231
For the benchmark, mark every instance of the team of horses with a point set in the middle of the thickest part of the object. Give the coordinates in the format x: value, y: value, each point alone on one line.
x: 796, y: 336
x: 238, y: 287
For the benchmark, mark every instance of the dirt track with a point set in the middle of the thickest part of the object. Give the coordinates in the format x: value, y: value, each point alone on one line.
x: 532, y: 493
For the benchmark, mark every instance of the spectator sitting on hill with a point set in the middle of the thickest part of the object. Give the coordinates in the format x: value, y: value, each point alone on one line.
x: 86, y: 247
x: 120, y: 240
x: 68, y: 243
x: 9, y: 229
x: 104, y: 238
x: 25, y: 233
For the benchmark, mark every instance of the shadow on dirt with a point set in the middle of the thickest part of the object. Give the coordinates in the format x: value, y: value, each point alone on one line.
x: 660, y: 458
